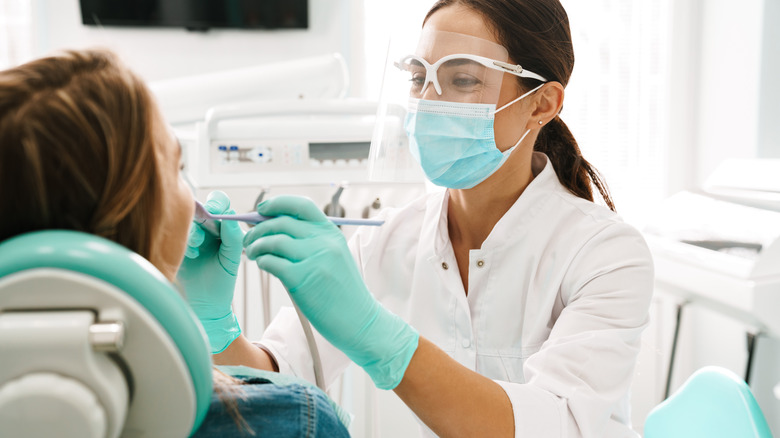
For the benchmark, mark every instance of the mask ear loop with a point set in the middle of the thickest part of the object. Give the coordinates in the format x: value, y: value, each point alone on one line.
x: 509, y: 151
x: 518, y: 99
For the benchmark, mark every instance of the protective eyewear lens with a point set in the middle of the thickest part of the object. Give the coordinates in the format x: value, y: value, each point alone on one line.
x: 455, y: 78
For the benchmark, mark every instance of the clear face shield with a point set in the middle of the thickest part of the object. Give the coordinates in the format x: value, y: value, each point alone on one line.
x: 445, y: 68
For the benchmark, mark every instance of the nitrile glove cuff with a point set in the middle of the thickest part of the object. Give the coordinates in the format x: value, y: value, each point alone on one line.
x: 221, y: 332
x: 387, y: 350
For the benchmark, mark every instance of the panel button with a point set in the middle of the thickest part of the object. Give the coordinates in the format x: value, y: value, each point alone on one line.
x: 260, y: 154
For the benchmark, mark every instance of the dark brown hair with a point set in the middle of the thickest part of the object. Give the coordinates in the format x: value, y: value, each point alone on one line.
x: 77, y: 151
x: 536, y: 34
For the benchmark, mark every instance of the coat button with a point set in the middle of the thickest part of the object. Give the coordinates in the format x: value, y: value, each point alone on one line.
x: 445, y: 266
x: 480, y: 263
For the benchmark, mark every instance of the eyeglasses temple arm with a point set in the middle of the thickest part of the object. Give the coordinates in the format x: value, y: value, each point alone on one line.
x: 518, y: 70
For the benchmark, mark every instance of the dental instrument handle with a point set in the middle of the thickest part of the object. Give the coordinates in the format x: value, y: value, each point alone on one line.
x: 358, y: 222
x: 208, y: 221
x: 256, y: 218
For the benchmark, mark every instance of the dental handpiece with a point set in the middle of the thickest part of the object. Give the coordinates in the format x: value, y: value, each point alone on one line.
x: 209, y: 220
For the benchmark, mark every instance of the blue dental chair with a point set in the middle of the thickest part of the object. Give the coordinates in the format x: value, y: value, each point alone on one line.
x: 712, y: 403
x: 95, y: 342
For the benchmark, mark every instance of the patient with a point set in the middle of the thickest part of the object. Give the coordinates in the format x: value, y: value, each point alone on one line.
x: 83, y: 146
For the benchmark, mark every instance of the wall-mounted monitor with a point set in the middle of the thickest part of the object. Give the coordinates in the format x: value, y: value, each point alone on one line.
x: 197, y: 14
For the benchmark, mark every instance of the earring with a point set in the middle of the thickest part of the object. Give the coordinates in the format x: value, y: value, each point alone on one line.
x: 541, y: 122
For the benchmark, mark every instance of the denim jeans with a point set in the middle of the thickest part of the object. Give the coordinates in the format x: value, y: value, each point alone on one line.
x: 272, y: 410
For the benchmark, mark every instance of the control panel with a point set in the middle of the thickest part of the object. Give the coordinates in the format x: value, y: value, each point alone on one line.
x: 282, y: 143
x: 285, y: 155
x: 250, y: 162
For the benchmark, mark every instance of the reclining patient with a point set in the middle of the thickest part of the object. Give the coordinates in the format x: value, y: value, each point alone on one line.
x: 83, y: 146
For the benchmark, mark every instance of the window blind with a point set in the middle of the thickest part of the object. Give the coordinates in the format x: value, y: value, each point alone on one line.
x: 618, y: 98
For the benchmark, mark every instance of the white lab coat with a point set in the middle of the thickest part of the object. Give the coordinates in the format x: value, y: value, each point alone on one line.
x: 558, y: 297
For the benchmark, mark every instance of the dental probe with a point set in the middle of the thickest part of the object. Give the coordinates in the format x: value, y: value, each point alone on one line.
x: 206, y: 219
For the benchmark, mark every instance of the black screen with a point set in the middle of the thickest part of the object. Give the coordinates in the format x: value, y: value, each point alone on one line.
x: 197, y: 14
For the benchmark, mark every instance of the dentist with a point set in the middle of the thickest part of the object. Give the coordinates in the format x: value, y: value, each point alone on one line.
x: 508, y: 305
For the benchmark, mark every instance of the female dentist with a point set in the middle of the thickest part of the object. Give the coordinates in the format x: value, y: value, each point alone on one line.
x: 508, y: 305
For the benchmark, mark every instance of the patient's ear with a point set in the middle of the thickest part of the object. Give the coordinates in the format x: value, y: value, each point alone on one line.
x: 548, y: 102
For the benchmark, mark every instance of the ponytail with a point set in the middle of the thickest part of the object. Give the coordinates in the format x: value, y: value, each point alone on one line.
x: 573, y: 170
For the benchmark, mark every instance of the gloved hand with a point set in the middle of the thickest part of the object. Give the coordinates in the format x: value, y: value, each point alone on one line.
x: 208, y: 274
x: 310, y: 256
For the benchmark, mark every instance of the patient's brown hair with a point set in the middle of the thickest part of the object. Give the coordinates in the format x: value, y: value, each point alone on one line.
x: 77, y: 151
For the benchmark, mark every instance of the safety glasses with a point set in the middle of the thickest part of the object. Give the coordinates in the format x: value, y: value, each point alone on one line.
x: 456, y: 77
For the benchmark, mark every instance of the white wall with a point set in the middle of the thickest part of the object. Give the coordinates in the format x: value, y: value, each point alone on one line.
x: 683, y: 95
x: 729, y: 82
x: 769, y: 117
x: 724, y: 92
x: 161, y: 53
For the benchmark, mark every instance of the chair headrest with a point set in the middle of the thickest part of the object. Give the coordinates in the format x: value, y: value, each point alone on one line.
x: 114, y: 264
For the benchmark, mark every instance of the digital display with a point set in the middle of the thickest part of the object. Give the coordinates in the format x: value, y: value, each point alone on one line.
x: 339, y: 151
x: 197, y: 14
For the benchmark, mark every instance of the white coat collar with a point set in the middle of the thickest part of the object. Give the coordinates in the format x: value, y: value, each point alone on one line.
x: 515, y: 221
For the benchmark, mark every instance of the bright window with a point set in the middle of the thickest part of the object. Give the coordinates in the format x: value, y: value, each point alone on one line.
x: 15, y: 32
x: 617, y: 99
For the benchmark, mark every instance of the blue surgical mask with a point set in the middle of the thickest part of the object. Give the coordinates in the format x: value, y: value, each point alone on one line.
x: 454, y: 142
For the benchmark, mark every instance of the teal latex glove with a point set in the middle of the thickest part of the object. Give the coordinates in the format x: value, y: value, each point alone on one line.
x: 208, y: 274
x: 311, y: 258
